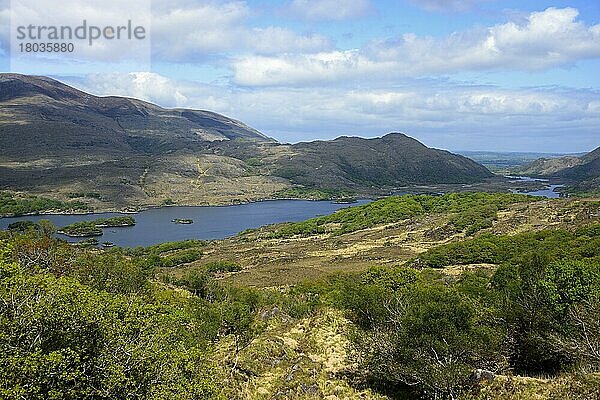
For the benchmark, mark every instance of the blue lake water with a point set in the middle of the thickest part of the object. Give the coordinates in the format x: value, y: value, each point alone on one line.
x: 154, y: 225
x: 548, y: 191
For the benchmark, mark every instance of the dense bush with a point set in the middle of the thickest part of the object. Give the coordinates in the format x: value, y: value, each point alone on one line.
x: 111, y: 272
x: 179, y: 258
x: 222, y: 266
x: 171, y: 246
x: 469, y: 211
x: 94, y: 228
x: 22, y: 226
x: 425, y: 333
x: 313, y: 194
x: 81, y: 229
x: 76, y: 323
x: 417, y: 334
x: 497, y: 249
x: 114, y: 221
x: 545, y: 306
x: 62, y: 339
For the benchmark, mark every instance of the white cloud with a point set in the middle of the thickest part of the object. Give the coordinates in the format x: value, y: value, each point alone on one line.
x: 179, y: 31
x: 146, y: 86
x: 87, y: 54
x: 447, y: 5
x: 548, y: 38
x: 300, y: 69
x: 594, y: 107
x: 197, y: 31
x: 330, y: 9
x: 4, y: 26
x: 279, y: 40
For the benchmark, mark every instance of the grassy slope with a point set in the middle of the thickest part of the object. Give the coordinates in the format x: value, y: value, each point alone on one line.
x: 305, y: 359
x: 293, y: 359
x: 269, y: 261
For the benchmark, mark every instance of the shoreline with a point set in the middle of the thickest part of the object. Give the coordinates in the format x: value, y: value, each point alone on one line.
x: 416, y: 189
x: 151, y: 207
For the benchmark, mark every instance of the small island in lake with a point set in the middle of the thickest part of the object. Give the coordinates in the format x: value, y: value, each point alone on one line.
x: 94, y: 228
x: 182, y: 221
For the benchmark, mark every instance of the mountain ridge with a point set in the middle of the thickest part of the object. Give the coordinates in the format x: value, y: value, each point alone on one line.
x: 127, y: 124
x: 58, y: 140
x: 395, y: 159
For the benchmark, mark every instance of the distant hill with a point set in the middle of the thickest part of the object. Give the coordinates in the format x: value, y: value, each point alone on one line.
x: 503, y: 161
x: 393, y: 160
x: 547, y: 166
x: 113, y: 151
x: 582, y: 172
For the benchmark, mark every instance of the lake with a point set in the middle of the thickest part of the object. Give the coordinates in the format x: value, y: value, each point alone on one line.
x: 154, y: 225
x: 548, y: 191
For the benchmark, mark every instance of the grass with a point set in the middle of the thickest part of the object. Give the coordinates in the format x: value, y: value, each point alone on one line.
x: 293, y: 359
x: 567, y: 386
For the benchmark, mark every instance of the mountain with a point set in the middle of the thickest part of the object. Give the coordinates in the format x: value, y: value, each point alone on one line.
x: 41, y: 117
x: 547, y: 166
x: 114, y: 151
x: 391, y: 161
x: 582, y: 173
x: 586, y: 175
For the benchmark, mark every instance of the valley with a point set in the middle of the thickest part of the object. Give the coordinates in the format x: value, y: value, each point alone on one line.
x: 379, y: 268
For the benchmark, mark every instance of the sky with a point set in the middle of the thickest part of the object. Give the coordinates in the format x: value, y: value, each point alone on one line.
x: 459, y: 75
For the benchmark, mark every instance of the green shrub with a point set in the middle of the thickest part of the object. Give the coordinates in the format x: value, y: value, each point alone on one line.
x: 180, y: 258
x: 222, y: 266
x: 474, y: 211
x: 81, y: 229
x: 497, y: 249
x: 61, y: 339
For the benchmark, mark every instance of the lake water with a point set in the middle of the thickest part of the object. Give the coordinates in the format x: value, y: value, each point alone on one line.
x: 548, y: 191
x: 154, y: 225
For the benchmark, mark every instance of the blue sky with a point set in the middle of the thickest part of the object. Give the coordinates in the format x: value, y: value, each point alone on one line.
x: 460, y: 75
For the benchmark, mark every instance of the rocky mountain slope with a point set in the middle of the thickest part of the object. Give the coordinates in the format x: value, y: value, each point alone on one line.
x: 119, y: 151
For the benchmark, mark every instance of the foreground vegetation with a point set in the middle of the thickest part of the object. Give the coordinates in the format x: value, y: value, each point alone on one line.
x: 500, y: 249
x: 88, y: 323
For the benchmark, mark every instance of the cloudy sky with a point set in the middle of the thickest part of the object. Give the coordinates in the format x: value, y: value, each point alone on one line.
x: 455, y: 74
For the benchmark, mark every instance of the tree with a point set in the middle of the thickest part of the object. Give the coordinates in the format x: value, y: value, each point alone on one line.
x: 433, y: 338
